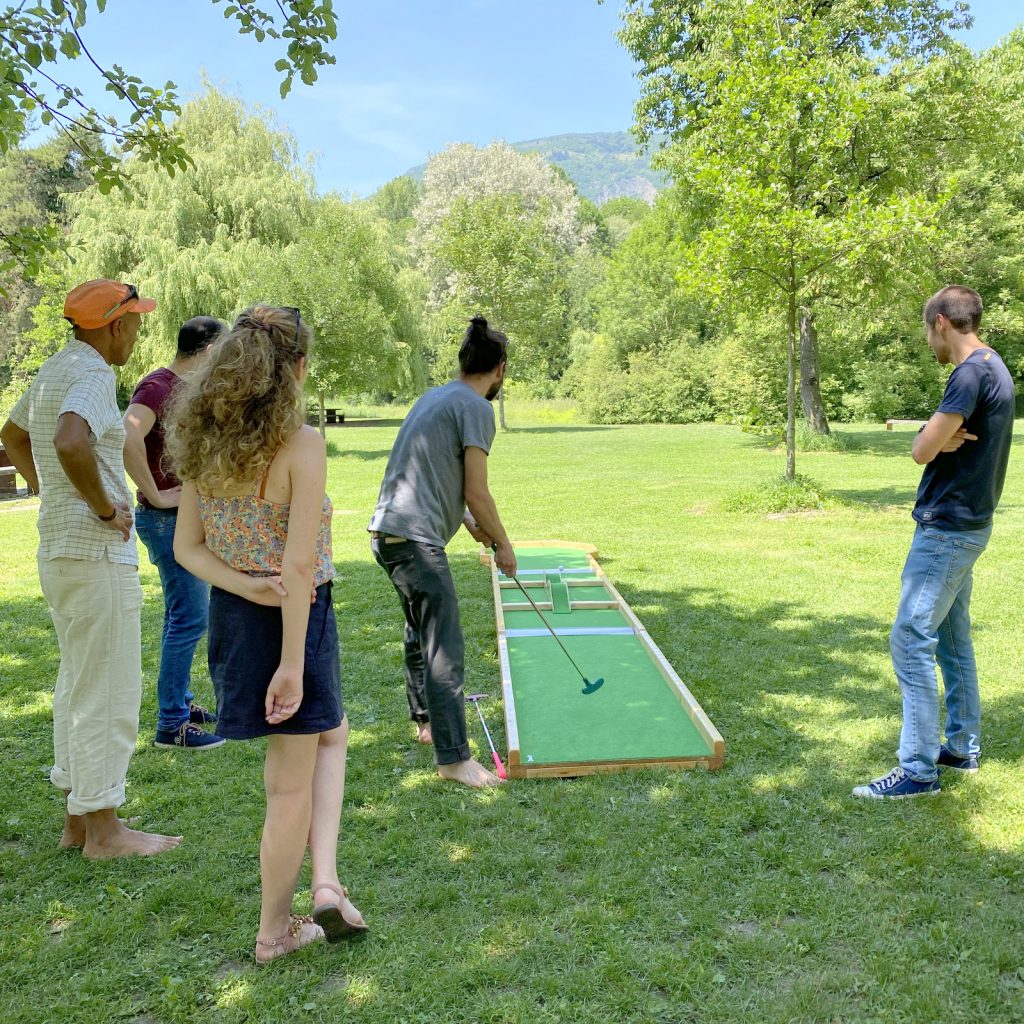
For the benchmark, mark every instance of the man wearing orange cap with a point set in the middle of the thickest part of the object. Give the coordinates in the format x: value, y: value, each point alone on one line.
x: 66, y: 438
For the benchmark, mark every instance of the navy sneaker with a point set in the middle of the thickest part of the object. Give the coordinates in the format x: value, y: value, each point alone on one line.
x: 970, y: 764
x: 198, y: 715
x: 897, y: 785
x: 187, y: 737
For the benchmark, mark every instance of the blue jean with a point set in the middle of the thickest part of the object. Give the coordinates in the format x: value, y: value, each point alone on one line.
x: 933, y: 624
x: 186, y: 605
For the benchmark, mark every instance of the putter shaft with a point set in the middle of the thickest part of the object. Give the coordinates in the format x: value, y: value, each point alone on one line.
x: 551, y: 631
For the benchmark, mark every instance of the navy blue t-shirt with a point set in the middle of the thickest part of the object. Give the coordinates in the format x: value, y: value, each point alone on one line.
x: 960, y: 490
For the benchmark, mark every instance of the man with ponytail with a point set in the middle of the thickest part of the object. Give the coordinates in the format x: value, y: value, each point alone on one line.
x: 435, y: 482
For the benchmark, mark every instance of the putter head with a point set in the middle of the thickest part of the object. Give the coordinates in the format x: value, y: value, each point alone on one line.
x: 592, y: 686
x: 474, y: 697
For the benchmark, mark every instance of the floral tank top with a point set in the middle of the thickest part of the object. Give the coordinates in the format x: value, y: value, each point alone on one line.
x: 249, y: 532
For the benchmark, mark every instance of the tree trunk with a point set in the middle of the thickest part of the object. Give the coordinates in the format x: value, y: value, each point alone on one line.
x: 791, y: 388
x: 810, y: 385
x: 501, y: 409
x: 323, y: 415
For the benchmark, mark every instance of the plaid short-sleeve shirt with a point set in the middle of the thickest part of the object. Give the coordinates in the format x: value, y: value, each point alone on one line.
x: 76, y: 379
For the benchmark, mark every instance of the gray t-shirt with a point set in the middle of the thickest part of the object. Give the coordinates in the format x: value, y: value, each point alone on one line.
x: 421, y: 496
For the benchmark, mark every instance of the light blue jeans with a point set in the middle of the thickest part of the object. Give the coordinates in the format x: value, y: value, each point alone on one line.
x: 933, y: 624
x: 186, y: 608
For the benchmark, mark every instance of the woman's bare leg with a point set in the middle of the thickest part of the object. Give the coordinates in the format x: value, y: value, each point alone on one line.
x: 287, y: 778
x: 328, y: 794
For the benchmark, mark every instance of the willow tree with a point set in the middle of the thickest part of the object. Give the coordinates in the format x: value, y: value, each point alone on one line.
x: 43, y: 40
x: 797, y: 130
x: 200, y: 242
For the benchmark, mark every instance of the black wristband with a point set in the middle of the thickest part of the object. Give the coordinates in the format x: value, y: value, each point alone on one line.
x: 107, y: 519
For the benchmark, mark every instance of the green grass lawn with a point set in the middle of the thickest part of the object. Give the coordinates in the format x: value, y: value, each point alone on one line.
x: 760, y: 893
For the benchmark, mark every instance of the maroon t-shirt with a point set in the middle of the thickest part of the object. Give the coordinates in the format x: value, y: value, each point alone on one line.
x: 153, y: 391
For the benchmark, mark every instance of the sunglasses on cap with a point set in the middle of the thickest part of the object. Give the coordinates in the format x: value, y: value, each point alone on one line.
x: 133, y: 293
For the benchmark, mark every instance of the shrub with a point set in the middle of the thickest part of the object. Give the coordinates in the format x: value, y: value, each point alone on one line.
x: 669, y: 387
x: 780, y: 495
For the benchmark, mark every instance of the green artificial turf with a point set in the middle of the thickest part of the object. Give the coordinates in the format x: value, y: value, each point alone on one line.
x: 762, y: 892
x: 633, y: 716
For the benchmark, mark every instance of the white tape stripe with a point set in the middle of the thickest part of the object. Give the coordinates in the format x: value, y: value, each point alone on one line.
x: 550, y: 572
x: 574, y: 631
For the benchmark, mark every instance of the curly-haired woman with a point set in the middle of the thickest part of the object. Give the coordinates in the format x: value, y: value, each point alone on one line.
x: 255, y: 522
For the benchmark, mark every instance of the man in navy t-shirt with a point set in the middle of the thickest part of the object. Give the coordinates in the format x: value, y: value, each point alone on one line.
x: 964, y: 448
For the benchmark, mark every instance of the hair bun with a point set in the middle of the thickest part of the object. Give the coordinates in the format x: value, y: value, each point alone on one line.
x: 479, y: 322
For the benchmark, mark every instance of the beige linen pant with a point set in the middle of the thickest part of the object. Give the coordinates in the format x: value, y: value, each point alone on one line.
x: 96, y: 610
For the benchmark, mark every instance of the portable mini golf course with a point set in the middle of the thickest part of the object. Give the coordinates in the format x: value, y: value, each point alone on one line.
x: 560, y: 719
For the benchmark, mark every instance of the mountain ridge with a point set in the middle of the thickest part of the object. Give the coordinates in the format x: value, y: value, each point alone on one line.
x: 603, y: 165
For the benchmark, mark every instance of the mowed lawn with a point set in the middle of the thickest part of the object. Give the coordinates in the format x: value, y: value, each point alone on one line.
x: 763, y: 892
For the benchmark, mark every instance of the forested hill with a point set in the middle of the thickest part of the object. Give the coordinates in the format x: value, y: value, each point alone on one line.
x: 604, y: 165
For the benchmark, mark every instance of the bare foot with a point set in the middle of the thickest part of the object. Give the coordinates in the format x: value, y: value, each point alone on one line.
x: 423, y: 734
x: 108, y: 837
x: 75, y: 831
x: 73, y: 835
x: 470, y: 773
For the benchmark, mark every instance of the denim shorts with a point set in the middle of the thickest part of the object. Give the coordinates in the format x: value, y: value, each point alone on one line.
x: 244, y: 653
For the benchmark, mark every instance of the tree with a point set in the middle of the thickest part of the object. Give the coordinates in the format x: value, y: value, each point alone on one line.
x: 502, y: 260
x: 795, y: 131
x: 34, y: 38
x: 495, y: 231
x: 340, y: 272
x: 199, y: 243
x: 33, y: 183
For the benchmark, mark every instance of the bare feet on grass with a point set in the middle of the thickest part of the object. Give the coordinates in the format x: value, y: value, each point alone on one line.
x: 470, y: 773
x: 423, y: 734
x: 107, y: 836
x: 73, y: 835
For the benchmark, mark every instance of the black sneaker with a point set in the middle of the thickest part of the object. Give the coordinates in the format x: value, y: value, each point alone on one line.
x: 198, y: 715
x: 969, y: 764
x: 187, y: 737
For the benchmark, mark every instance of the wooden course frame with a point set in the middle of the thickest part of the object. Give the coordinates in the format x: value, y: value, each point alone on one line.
x: 517, y: 769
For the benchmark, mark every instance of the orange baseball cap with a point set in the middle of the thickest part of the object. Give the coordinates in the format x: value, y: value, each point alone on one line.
x: 98, y: 303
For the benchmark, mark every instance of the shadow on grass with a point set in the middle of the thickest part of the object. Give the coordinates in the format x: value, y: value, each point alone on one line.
x: 583, y: 429
x: 877, y: 497
x: 763, y: 891
x: 339, y: 451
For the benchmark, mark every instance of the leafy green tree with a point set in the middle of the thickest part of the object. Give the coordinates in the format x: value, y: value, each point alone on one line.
x: 33, y: 183
x: 341, y: 273
x: 495, y: 233
x: 622, y: 215
x: 502, y: 260
x: 641, y: 304
x: 200, y: 243
x: 34, y: 38
x: 795, y: 130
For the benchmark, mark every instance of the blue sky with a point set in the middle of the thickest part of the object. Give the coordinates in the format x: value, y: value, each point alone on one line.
x: 414, y: 75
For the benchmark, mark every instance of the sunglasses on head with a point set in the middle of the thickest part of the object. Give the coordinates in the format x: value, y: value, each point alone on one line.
x: 133, y: 293
x: 295, y: 310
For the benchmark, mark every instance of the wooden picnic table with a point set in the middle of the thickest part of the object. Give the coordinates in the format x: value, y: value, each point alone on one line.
x: 8, y: 475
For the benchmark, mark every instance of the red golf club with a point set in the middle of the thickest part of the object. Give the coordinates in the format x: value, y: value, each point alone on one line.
x: 474, y: 699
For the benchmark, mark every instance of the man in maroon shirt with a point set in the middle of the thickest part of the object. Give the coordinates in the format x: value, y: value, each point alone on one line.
x: 186, y: 598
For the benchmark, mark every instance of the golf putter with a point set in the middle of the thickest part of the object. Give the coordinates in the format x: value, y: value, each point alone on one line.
x: 474, y: 699
x: 588, y: 686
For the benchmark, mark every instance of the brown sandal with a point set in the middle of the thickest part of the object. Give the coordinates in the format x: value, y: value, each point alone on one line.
x: 301, y: 932
x: 331, y: 919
